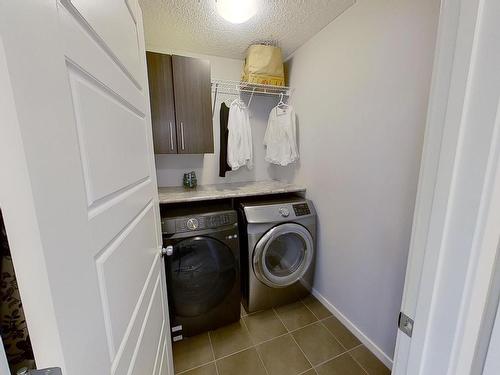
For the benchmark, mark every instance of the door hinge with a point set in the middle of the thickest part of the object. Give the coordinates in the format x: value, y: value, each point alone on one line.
x: 405, y: 324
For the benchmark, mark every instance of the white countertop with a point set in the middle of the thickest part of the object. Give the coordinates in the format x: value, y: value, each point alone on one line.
x: 178, y: 194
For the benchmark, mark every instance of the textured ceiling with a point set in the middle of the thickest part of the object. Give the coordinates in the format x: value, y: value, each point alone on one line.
x: 195, y: 26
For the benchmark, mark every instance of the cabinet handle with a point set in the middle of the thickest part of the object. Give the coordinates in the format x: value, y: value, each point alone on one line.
x: 182, y: 135
x: 171, y: 136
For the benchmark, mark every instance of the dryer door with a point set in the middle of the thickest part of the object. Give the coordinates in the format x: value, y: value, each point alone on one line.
x: 201, y: 271
x: 283, y: 255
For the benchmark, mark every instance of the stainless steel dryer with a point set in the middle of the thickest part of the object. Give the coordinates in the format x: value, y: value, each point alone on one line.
x: 278, y: 251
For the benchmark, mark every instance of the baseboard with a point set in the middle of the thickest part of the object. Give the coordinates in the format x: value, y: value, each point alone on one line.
x: 371, y: 346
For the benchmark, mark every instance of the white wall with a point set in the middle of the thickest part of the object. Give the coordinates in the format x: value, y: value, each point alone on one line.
x: 361, y: 95
x: 170, y: 168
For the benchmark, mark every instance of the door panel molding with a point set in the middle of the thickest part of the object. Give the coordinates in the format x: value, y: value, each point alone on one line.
x: 113, y: 213
x: 88, y: 18
x: 119, y: 268
x: 124, y: 353
x: 160, y: 354
x: 145, y: 359
x: 111, y: 139
x: 161, y: 365
x: 88, y: 54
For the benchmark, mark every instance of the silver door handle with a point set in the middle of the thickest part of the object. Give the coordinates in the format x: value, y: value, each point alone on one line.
x: 182, y: 135
x: 171, y: 136
x: 167, y: 251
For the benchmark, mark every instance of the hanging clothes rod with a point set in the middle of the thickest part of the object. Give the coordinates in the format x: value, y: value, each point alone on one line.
x: 235, y: 87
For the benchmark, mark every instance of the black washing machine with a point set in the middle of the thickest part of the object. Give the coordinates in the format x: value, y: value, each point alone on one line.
x: 202, y: 268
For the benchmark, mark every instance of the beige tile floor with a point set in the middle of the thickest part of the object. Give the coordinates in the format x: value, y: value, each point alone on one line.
x: 302, y: 338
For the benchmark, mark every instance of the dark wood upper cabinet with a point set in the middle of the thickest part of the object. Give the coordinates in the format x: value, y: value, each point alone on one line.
x: 161, y: 94
x: 193, y: 105
x: 181, y: 104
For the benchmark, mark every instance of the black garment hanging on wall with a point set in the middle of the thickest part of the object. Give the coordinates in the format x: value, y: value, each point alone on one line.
x: 224, y: 133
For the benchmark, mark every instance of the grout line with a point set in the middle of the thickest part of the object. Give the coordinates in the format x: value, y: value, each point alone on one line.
x: 324, y: 326
x: 335, y: 337
x: 281, y: 320
x: 236, y: 352
x: 307, y: 325
x: 243, y: 309
x: 295, y: 329
x: 307, y: 359
x: 330, y: 359
x: 255, y: 347
x: 194, y: 368
x: 211, y: 345
x: 254, y: 312
x: 341, y: 354
x: 330, y: 332
x: 312, y: 312
x: 276, y: 337
x: 358, y: 363
x: 213, y: 353
x: 248, y: 331
x: 356, y: 330
x: 288, y: 332
x: 357, y: 346
x: 265, y: 341
x: 307, y: 307
x: 201, y: 365
x: 305, y: 371
x: 241, y: 350
x: 296, y: 343
x: 346, y: 351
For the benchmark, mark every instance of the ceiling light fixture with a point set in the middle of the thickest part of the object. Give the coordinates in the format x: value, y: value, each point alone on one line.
x: 236, y: 11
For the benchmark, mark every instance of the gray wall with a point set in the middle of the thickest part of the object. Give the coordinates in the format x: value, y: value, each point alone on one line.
x: 361, y: 95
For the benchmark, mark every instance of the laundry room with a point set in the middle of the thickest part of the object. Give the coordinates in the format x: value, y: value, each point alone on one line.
x: 310, y: 123
x: 242, y: 187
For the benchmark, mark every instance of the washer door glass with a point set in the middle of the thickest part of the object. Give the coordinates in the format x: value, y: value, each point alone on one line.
x: 202, y: 272
x: 283, y: 255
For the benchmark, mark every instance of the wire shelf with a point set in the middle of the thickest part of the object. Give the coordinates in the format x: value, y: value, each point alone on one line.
x: 236, y: 87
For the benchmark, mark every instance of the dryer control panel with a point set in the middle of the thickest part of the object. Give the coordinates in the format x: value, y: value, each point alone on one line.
x: 301, y: 209
x: 278, y: 211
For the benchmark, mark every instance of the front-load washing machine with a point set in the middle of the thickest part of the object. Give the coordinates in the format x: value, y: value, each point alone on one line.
x: 278, y: 238
x: 202, y: 268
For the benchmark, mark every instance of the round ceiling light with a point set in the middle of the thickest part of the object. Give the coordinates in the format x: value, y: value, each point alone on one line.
x: 236, y: 11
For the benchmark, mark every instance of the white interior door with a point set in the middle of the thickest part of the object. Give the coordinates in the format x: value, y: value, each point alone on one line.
x: 78, y: 192
x: 456, y: 230
x: 492, y: 360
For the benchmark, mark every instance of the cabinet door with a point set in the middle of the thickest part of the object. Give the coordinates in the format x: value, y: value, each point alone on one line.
x: 161, y: 92
x: 193, y: 105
